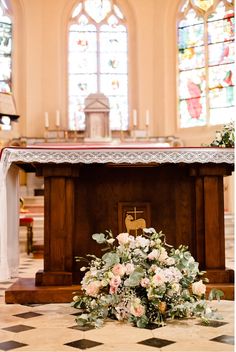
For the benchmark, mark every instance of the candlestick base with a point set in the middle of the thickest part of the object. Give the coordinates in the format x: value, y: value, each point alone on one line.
x: 121, y: 135
x: 58, y: 133
x: 147, y: 131
x: 46, y: 134
x: 75, y: 136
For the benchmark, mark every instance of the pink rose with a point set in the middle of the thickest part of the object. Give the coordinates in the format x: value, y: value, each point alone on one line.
x: 118, y: 270
x: 158, y: 279
x: 115, y: 281
x: 137, y: 310
x: 113, y: 290
x: 145, y: 282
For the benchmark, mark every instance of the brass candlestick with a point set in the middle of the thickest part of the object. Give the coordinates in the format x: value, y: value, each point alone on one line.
x: 147, y: 131
x: 46, y: 134
x: 134, y: 132
x: 121, y: 135
x: 75, y: 136
x: 58, y: 133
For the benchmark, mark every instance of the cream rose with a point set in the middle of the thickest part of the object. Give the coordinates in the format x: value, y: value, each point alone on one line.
x: 198, y: 288
x: 129, y: 268
x: 92, y: 288
x: 163, y: 255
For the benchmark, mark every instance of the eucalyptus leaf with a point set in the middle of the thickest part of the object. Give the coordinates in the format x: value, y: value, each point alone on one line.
x: 99, y: 237
x: 135, y: 277
x: 110, y: 259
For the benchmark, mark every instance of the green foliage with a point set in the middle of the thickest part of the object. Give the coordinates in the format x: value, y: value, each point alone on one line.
x: 215, y: 294
x: 226, y: 137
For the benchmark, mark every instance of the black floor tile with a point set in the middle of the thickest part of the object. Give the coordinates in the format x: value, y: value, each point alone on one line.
x: 18, y: 328
x: 27, y: 315
x: 82, y: 328
x: 152, y: 326
x: 155, y: 342
x: 83, y: 344
x: 214, y: 323
x: 11, y: 345
x: 224, y: 339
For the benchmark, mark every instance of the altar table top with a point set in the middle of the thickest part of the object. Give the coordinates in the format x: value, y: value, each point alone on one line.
x: 132, y: 153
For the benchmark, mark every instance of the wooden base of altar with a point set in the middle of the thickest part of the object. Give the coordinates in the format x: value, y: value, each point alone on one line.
x: 24, y: 291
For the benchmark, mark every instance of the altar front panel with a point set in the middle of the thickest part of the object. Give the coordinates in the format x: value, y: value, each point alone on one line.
x: 167, y: 189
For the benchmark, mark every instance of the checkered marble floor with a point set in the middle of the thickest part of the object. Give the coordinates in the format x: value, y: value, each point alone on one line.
x: 52, y: 327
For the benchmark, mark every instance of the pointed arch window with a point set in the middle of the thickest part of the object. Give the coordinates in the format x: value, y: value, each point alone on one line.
x: 97, y: 60
x: 206, y: 55
x: 5, y: 48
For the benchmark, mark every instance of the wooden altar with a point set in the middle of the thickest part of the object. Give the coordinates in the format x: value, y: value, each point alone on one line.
x: 179, y: 190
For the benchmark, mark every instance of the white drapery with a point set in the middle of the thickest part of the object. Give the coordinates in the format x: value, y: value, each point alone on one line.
x: 9, y: 221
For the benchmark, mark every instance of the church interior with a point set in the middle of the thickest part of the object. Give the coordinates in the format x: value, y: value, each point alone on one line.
x: 112, y: 115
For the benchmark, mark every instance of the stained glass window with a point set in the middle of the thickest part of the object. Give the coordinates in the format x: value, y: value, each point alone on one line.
x: 5, y: 49
x: 206, y: 62
x: 97, y: 61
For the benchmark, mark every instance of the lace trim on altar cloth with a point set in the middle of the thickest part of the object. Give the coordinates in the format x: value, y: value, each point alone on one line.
x: 128, y: 156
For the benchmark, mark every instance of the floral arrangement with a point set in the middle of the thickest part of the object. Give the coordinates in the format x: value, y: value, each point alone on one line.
x: 226, y: 137
x: 141, y: 280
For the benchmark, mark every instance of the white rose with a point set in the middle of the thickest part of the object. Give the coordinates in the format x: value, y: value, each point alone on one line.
x: 198, y: 288
x: 153, y: 254
x: 170, y: 261
x: 123, y: 238
x: 175, y: 287
x: 111, y: 240
x: 142, y: 241
x: 218, y: 136
x: 208, y: 310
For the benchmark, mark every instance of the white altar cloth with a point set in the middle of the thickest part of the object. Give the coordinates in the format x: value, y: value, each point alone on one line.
x: 144, y: 153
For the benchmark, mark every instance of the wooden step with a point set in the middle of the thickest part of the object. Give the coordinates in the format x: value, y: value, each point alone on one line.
x: 25, y: 291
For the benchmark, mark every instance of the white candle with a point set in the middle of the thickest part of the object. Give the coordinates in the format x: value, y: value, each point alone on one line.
x: 135, y: 118
x: 57, y: 118
x: 46, y: 120
x: 147, y: 117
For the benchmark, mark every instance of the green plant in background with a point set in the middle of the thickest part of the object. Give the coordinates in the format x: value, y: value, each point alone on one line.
x: 226, y: 137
